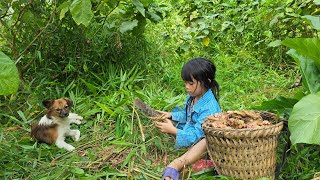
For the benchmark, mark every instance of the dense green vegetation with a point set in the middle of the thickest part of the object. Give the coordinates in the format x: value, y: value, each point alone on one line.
x: 118, y: 50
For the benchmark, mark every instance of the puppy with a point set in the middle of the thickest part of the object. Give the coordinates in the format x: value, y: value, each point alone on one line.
x: 55, y: 125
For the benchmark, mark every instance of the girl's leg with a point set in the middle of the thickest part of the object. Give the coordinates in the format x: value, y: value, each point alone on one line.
x: 195, y: 153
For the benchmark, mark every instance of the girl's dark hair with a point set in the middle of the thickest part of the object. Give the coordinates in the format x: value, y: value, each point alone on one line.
x: 202, y: 70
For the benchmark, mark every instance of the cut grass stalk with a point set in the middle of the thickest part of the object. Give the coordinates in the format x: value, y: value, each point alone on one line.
x: 140, y: 125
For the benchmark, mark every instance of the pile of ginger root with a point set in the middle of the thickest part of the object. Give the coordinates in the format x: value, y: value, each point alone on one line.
x: 237, y: 120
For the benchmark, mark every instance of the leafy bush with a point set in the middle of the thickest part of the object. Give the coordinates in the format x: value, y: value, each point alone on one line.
x: 251, y: 25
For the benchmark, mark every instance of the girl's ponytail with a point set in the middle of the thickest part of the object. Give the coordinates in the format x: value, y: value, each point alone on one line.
x: 215, y: 88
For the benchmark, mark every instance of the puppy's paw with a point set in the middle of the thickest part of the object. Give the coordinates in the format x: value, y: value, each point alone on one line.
x: 78, y: 122
x: 61, y: 144
x: 69, y: 147
x: 76, y: 136
x: 79, y: 118
x: 75, y: 118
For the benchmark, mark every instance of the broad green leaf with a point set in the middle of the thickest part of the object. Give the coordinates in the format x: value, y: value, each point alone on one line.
x: 309, y: 47
x: 140, y: 7
x: 316, y: 2
x: 64, y: 7
x: 280, y: 104
x: 304, y: 121
x: 309, y: 70
x: 315, y: 21
x: 9, y: 76
x: 81, y: 11
x: 128, y: 26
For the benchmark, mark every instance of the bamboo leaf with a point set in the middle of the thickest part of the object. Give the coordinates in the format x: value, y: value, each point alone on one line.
x: 104, y: 107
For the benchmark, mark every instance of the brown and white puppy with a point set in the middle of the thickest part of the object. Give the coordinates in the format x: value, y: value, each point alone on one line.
x: 55, y: 125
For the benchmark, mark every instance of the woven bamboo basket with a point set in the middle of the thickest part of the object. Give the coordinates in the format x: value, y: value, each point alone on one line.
x: 244, y: 153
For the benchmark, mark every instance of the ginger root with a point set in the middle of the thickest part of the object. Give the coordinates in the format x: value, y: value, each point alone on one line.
x: 237, y: 120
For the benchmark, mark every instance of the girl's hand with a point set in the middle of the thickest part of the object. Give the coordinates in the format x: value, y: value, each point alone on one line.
x: 167, y: 127
x: 165, y: 115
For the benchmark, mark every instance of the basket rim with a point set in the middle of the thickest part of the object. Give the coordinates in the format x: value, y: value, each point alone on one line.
x: 244, y: 129
x: 265, y: 131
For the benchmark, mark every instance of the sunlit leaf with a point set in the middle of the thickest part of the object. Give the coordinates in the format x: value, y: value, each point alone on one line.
x: 275, y: 43
x: 81, y: 11
x: 9, y: 76
x: 206, y: 41
x: 128, y: 26
x: 315, y: 21
x: 316, y: 2
x: 304, y: 121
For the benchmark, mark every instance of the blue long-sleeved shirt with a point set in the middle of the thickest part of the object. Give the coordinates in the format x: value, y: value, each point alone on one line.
x: 189, y: 129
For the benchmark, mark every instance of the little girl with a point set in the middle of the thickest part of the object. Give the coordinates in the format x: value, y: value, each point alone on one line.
x: 202, y: 88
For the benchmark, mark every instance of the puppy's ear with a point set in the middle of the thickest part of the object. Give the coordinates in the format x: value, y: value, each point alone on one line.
x: 69, y: 102
x: 47, y: 103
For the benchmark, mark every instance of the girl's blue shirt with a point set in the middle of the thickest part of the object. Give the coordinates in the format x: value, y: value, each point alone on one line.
x: 189, y: 130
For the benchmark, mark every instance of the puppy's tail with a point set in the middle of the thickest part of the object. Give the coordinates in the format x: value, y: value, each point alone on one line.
x: 46, y: 134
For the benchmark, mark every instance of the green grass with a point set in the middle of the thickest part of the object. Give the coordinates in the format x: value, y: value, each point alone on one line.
x: 117, y: 141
